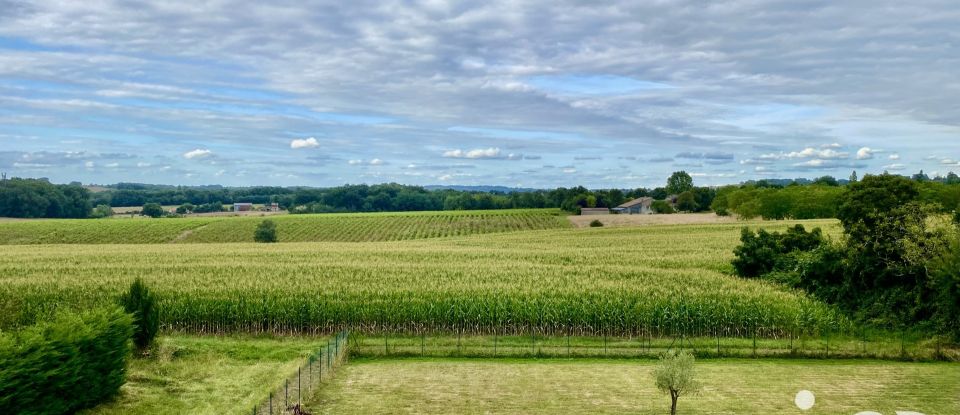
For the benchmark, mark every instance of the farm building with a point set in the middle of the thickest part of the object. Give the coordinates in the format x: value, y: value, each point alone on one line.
x: 594, y: 211
x: 242, y: 207
x: 640, y: 205
x: 273, y: 207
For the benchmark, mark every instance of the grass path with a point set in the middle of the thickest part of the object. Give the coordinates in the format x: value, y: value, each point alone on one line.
x: 554, y: 386
x: 207, y: 375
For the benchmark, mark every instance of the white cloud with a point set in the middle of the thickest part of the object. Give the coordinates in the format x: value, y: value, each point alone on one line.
x: 895, y: 166
x: 89, y: 164
x: 354, y: 162
x: 866, y: 153
x: 304, y: 143
x: 948, y: 161
x: 376, y: 162
x: 198, y: 153
x: 112, y: 165
x: 479, y: 153
x: 832, y: 145
x: 894, y: 156
x: 445, y: 177
x: 143, y: 164
x: 568, y: 171
x: 220, y: 173
x: 810, y: 152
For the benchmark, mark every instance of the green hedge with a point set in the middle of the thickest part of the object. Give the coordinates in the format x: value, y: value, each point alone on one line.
x: 66, y: 364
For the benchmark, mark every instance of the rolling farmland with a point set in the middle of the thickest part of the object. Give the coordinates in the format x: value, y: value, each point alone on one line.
x: 336, y: 227
x: 659, y: 279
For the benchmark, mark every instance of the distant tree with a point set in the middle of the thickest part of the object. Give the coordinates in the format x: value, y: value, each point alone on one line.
x: 826, y: 181
x: 921, y: 177
x: 687, y: 202
x: 185, y: 208
x: 266, y: 232
x: 596, y: 223
x: 675, y: 375
x: 102, y: 211
x: 153, y: 210
x: 142, y: 304
x: 853, y: 177
x: 679, y: 182
x: 952, y: 178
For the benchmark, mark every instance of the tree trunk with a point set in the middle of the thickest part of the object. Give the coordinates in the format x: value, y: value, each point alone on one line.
x: 673, y: 405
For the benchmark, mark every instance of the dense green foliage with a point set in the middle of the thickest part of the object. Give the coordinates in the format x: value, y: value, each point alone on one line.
x: 765, y: 252
x: 70, y: 363
x: 822, y: 197
x: 346, y: 227
x: 896, y: 267
x: 140, y: 303
x: 32, y: 198
x: 596, y: 223
x: 661, y: 206
x: 266, y: 232
x: 553, y: 281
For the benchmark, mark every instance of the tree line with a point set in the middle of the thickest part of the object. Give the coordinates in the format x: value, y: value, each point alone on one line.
x: 821, y: 198
x: 779, y: 199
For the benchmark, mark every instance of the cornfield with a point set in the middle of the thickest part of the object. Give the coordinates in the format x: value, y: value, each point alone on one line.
x: 666, y: 280
x: 348, y: 227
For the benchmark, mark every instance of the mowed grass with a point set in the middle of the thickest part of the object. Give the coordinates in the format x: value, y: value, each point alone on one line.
x: 208, y: 375
x: 346, y: 227
x: 460, y: 386
x: 667, y: 279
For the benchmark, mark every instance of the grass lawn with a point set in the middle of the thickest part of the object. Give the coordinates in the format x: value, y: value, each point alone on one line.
x: 553, y: 386
x: 208, y: 375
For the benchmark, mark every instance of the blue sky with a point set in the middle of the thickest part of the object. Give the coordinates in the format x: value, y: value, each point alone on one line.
x: 530, y: 94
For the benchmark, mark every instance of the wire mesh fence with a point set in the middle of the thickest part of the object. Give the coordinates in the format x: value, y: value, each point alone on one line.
x: 901, y: 346
x: 319, y: 367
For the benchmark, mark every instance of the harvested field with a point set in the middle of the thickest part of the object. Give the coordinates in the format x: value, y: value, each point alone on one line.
x: 642, y: 220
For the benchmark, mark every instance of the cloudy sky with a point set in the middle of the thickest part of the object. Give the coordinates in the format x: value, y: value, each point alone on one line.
x: 533, y: 94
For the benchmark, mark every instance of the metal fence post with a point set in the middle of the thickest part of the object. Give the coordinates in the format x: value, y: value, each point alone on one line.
x: 286, y: 393
x: 271, y: 403
x: 299, y: 388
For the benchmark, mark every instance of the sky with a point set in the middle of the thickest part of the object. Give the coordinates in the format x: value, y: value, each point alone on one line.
x: 522, y: 94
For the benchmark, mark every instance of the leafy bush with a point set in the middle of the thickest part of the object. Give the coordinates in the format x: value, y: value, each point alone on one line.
x: 70, y: 363
x: 596, y: 223
x: 946, y: 284
x: 209, y: 207
x: 661, y: 206
x: 101, y: 211
x: 142, y: 305
x: 266, y: 232
x: 185, y: 208
x: 765, y: 252
x: 152, y: 210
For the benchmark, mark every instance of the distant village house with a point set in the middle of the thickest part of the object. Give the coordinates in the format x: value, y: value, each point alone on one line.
x: 640, y: 205
x: 242, y: 207
x: 594, y: 211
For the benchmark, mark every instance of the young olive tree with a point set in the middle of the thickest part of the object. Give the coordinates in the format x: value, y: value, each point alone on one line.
x: 675, y: 375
